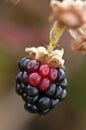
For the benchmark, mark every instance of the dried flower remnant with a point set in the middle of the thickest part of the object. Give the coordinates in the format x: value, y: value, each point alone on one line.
x: 50, y: 56
x: 79, y: 44
x: 69, y: 13
x: 53, y: 59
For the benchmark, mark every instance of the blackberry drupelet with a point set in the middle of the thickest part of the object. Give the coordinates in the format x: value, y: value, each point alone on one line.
x: 40, y: 86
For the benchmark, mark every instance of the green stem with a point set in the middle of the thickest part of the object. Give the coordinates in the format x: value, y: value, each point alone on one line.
x: 55, y: 34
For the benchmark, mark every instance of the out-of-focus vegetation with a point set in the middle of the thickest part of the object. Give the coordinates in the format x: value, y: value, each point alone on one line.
x: 26, y: 24
x: 6, y: 69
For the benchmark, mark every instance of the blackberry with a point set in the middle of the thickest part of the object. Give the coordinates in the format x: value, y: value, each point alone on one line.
x: 31, y: 91
x: 31, y: 108
x: 61, y: 75
x: 22, y: 63
x: 40, y: 86
x: 58, y: 92
x: 51, y: 90
x: 43, y: 103
x: 54, y: 102
x: 18, y: 77
x: 19, y: 89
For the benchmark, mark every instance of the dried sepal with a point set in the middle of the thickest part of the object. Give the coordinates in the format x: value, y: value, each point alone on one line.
x: 42, y: 49
x: 32, y: 52
x: 56, y: 62
x: 58, y: 53
x: 42, y: 54
x: 56, y: 58
x: 53, y: 59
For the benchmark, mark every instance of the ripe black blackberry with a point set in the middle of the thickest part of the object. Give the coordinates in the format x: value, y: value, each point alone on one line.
x: 41, y: 87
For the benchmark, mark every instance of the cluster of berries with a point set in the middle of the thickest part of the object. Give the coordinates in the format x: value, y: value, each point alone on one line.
x: 40, y: 86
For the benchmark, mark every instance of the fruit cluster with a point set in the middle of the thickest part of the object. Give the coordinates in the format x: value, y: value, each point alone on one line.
x: 41, y: 87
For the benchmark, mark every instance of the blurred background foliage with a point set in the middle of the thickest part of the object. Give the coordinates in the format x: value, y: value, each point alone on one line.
x: 26, y: 24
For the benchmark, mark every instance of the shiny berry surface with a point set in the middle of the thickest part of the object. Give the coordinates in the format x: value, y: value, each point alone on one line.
x: 23, y: 62
x: 31, y: 91
x: 31, y: 108
x: 43, y: 103
x: 32, y: 66
x: 61, y: 75
x: 63, y: 95
x: 19, y: 77
x: 24, y: 96
x: 32, y: 100
x: 54, y: 102
x: 44, y: 84
x: 51, y: 90
x: 18, y: 89
x: 44, y: 70
x: 25, y: 77
x: 23, y: 86
x: 34, y: 79
x: 53, y: 74
x: 63, y: 83
x: 58, y: 92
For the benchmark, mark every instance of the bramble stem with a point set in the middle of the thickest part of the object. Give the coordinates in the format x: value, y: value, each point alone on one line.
x: 55, y: 34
